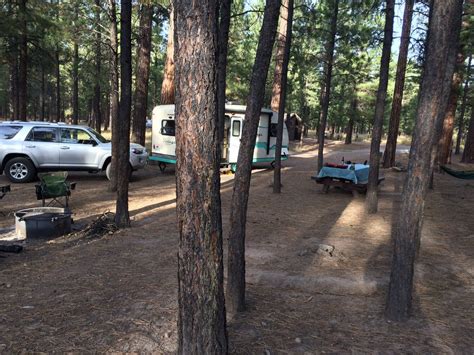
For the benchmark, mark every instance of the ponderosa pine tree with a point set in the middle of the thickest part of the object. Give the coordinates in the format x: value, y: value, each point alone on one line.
x: 463, y: 107
x: 445, y: 142
x: 96, y: 109
x: 114, y: 92
x: 394, y: 122
x: 223, y: 46
x: 374, y: 160
x: 326, y: 88
x: 282, y: 58
x: 122, y: 165
x: 142, y: 74
x: 236, y: 256
x: 22, y: 62
x: 201, y: 310
x: 168, y: 85
x: 444, y: 29
x: 468, y: 153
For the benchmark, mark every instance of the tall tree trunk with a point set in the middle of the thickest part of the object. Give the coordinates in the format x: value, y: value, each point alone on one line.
x: 122, y: 217
x: 352, y: 118
x: 446, y: 139
x: 201, y: 317
x: 167, y: 87
x: 468, y: 153
x: 325, y: 94
x: 114, y: 92
x: 372, y: 198
x: 97, y: 114
x: 222, y: 47
x: 142, y: 74
x: 23, y: 63
x: 14, y: 83
x: 240, y: 195
x: 42, y: 94
x: 75, y: 84
x: 58, y: 87
x: 394, y: 123
x: 463, y: 107
x: 280, y: 87
x: 439, y: 67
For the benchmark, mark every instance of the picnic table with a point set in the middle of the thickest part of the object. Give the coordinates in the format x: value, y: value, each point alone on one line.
x: 351, y: 177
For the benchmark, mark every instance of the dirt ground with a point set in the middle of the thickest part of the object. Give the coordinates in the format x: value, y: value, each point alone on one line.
x: 119, y: 292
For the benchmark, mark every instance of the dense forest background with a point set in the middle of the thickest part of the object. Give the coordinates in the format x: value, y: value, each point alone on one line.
x: 69, y: 53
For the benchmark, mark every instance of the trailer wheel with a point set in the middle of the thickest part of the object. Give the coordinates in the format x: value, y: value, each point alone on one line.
x: 273, y: 164
x: 162, y: 166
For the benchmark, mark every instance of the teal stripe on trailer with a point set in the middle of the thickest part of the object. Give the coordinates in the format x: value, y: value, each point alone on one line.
x: 163, y: 160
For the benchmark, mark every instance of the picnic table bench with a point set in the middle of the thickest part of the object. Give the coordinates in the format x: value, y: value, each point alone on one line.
x: 353, y: 178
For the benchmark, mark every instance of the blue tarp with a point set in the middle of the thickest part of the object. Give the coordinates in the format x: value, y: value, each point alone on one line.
x: 357, y: 173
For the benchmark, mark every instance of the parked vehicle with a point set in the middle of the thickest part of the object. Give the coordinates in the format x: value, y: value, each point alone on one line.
x: 164, y: 143
x: 29, y: 147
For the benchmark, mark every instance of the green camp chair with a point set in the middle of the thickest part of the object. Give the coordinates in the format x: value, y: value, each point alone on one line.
x: 54, y: 186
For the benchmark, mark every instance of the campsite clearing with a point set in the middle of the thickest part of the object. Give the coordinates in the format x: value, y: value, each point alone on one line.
x: 317, y: 269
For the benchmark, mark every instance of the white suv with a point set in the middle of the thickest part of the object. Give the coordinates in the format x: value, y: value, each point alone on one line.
x: 28, y: 147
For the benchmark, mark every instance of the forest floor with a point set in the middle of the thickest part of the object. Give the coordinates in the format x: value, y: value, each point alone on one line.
x: 119, y: 292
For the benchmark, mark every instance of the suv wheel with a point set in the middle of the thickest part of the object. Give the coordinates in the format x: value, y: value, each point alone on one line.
x: 108, y: 172
x: 20, y: 170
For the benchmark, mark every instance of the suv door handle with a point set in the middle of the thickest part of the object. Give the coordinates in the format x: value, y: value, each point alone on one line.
x: 31, y: 146
x: 65, y: 147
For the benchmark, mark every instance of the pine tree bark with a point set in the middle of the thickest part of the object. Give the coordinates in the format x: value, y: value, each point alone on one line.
x: 446, y: 139
x: 352, y: 117
x: 394, y: 122
x: 463, y: 107
x: 280, y: 88
x: 122, y: 217
x: 238, y: 216
x: 114, y: 91
x: 58, y: 87
x: 168, y: 85
x: 142, y: 74
x: 201, y: 316
x: 23, y: 63
x: 43, y: 94
x: 372, y: 198
x: 97, y: 114
x: 14, y: 83
x: 439, y: 67
x: 468, y: 153
x: 223, y: 45
x: 75, y: 85
x: 325, y: 94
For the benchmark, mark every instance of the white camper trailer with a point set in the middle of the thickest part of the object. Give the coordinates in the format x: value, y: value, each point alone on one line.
x: 164, y: 143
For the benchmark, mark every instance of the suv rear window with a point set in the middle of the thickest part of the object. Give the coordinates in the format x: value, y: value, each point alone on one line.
x: 8, y: 132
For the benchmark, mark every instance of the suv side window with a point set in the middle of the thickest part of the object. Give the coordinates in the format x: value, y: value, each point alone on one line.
x: 8, y: 132
x: 42, y: 134
x: 75, y: 136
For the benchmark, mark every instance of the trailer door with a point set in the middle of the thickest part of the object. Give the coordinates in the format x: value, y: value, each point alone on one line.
x: 234, y: 139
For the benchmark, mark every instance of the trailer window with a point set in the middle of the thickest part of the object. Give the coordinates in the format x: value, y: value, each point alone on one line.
x: 235, y: 128
x: 273, y: 129
x: 168, y: 127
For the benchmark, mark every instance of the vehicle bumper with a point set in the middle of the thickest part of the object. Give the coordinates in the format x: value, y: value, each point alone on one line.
x: 138, y: 161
